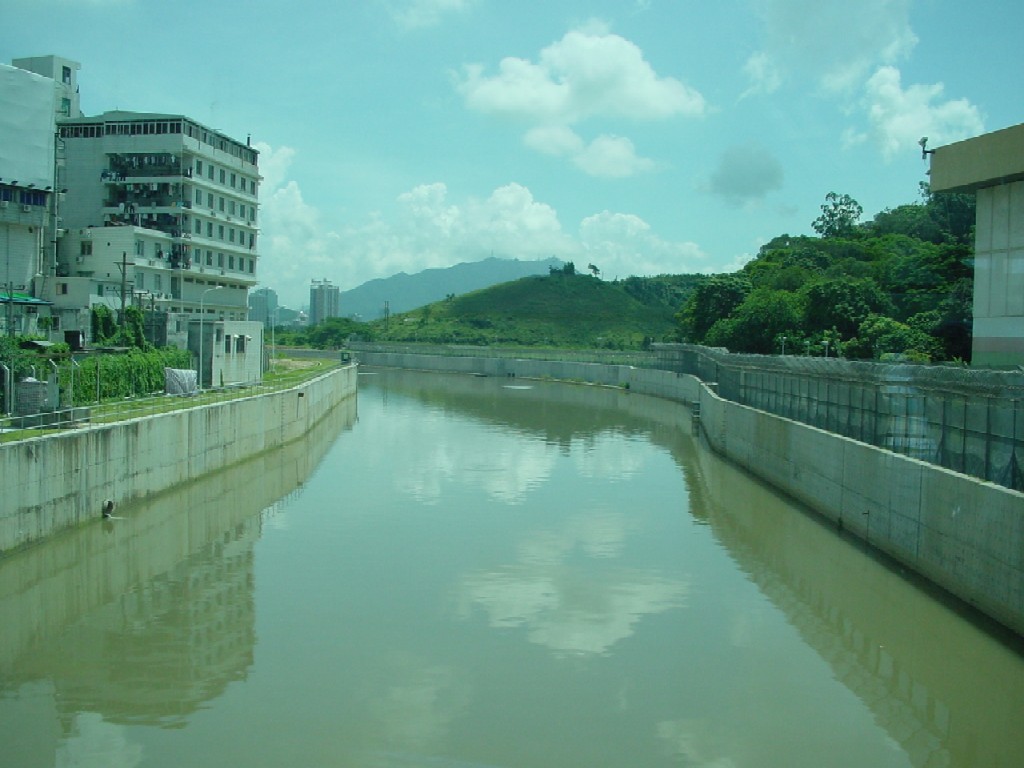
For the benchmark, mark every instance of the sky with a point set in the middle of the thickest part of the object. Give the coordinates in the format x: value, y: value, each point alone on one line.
x: 643, y: 137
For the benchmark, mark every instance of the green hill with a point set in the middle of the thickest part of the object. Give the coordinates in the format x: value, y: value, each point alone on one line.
x: 558, y: 309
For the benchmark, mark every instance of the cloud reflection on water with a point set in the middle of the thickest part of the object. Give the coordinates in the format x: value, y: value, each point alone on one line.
x: 568, y: 607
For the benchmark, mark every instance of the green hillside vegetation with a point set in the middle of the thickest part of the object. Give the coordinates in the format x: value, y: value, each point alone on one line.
x: 900, y: 285
x: 560, y: 309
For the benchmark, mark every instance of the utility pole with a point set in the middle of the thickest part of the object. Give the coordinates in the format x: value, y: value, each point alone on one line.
x: 123, y: 266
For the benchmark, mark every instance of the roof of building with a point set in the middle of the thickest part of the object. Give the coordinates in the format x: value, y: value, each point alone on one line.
x: 984, y: 161
x: 15, y: 297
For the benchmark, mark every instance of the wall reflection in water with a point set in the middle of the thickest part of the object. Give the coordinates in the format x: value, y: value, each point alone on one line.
x: 942, y: 682
x: 143, y: 618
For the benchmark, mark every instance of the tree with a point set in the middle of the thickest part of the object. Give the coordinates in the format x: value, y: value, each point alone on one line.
x: 842, y: 304
x: 879, y: 335
x: 711, y: 301
x: 839, y: 216
x: 764, y: 316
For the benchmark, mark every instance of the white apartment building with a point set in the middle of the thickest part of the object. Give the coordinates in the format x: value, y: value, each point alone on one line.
x: 171, y: 203
x: 27, y: 114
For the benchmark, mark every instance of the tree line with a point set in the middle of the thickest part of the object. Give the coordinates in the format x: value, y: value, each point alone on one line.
x: 900, y: 285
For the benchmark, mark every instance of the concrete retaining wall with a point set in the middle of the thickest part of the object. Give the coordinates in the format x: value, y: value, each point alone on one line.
x: 964, y: 534
x: 56, y: 481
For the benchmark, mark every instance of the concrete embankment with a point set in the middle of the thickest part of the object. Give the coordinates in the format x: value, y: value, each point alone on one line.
x: 56, y: 481
x: 964, y: 534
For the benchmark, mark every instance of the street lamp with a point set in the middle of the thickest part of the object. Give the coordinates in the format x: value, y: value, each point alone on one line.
x: 202, y: 317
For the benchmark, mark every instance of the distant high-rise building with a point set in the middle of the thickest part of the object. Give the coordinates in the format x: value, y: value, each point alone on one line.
x: 263, y: 306
x: 324, y: 301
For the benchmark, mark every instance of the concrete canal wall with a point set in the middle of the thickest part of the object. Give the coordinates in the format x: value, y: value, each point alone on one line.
x: 56, y: 481
x: 964, y: 534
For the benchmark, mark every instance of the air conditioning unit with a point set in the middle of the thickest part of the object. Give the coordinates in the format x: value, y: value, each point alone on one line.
x: 26, y: 208
x: 3, y: 203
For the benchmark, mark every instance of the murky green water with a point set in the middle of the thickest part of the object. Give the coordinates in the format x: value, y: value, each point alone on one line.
x: 488, y: 572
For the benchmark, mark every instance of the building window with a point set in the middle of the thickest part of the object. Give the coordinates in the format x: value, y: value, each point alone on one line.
x: 65, y: 75
x: 65, y: 107
x: 140, y: 248
x: 252, y: 266
x: 156, y: 282
x: 199, y: 227
x: 220, y: 231
x: 140, y: 280
x: 199, y: 197
x: 209, y: 258
x: 209, y: 171
x: 220, y: 260
x: 232, y: 181
x: 62, y: 288
x: 209, y: 200
x: 231, y: 207
x: 241, y: 210
x: 86, y: 248
x: 220, y: 204
x: 223, y: 175
x: 231, y: 262
x: 240, y: 343
x: 199, y: 167
x: 231, y: 235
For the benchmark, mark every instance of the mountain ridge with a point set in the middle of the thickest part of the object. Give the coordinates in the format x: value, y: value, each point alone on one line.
x: 403, y: 292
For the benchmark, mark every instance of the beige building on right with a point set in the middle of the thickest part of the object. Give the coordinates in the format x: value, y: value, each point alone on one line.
x: 992, y: 167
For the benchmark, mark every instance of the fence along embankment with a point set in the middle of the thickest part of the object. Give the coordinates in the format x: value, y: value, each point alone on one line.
x: 963, y: 533
x: 56, y: 481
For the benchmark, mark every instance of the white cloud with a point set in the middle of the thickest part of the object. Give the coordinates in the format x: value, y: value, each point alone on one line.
x: 835, y: 43
x: 746, y: 174
x: 899, y: 117
x: 426, y: 228
x: 622, y: 244
x: 606, y: 156
x: 763, y: 74
x: 611, y: 157
x: 274, y: 165
x: 589, y: 73
x: 415, y: 14
x: 554, y: 140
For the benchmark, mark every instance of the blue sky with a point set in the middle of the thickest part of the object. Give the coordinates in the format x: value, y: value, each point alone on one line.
x: 643, y: 136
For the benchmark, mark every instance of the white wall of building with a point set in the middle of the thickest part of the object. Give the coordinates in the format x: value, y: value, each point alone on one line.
x: 26, y: 128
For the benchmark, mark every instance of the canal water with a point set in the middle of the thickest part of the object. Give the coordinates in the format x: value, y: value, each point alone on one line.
x: 461, y: 572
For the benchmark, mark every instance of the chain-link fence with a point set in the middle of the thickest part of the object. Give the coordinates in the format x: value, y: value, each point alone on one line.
x: 39, y: 394
x: 964, y: 419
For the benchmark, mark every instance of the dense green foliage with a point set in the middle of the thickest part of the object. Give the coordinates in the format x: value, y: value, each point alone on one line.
x: 119, y: 375
x: 107, y: 332
x: 564, y: 308
x: 333, y: 333
x: 899, y: 284
x: 136, y: 372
